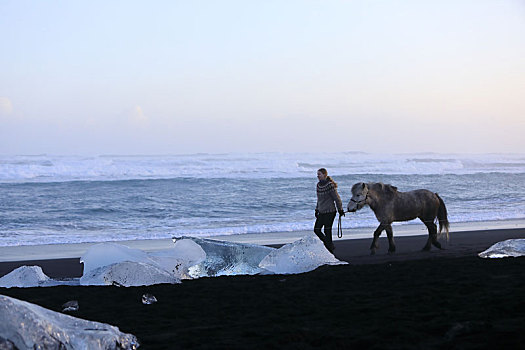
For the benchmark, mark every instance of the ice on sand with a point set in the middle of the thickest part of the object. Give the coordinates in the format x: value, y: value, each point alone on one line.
x: 228, y: 258
x: 111, y: 263
x: 303, y: 255
x: 105, y: 254
x: 127, y: 274
x: 505, y: 249
x: 190, y: 257
x: 28, y: 276
x: 71, y: 305
x: 24, y: 276
x: 177, y: 260
x: 45, y: 329
x: 148, y: 299
x: 32, y: 276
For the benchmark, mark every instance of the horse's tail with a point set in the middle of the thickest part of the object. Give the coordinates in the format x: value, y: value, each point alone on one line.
x: 443, y: 219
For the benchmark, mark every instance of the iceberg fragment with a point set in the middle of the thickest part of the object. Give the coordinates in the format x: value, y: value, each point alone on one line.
x: 228, y: 258
x: 112, y: 263
x: 71, y: 305
x: 105, y: 254
x: 504, y: 249
x: 303, y: 255
x: 178, y: 260
x: 30, y: 276
x: 190, y: 257
x: 24, y: 276
x: 148, y: 299
x: 127, y: 274
x: 29, y: 326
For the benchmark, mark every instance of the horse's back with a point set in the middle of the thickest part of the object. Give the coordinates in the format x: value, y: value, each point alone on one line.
x: 424, y: 194
x: 416, y: 203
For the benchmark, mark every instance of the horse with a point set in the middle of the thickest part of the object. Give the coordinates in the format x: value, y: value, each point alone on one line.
x: 389, y: 205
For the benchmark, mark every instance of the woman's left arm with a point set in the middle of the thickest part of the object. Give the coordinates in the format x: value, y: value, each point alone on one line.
x: 337, y: 200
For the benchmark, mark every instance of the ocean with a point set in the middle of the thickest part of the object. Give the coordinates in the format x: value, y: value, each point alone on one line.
x: 69, y: 199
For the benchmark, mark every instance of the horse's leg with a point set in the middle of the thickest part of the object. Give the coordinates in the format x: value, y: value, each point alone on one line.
x: 432, y: 235
x: 390, y: 235
x: 374, y: 244
x: 429, y: 240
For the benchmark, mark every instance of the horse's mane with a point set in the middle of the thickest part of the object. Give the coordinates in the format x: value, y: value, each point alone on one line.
x: 385, y: 188
x: 355, y: 186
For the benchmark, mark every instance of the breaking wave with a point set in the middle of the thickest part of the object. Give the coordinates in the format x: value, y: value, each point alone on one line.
x: 47, y: 168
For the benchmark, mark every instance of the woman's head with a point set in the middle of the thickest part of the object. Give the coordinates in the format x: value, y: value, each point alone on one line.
x: 322, y: 174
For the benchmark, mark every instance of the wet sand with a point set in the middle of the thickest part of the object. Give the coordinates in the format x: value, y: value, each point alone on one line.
x: 354, y: 251
x: 443, y: 299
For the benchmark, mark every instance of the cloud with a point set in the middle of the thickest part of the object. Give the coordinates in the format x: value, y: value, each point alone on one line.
x: 6, y: 107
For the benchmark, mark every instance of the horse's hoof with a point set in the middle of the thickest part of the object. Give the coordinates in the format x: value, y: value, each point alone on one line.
x: 426, y: 249
x: 372, y: 252
x: 392, y: 250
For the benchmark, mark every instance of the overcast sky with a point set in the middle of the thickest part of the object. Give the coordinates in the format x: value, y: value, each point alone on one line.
x: 170, y: 77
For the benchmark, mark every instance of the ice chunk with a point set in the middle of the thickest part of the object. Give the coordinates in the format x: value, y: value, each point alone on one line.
x: 24, y: 276
x: 29, y: 326
x: 28, y: 276
x: 127, y: 274
x: 180, y: 258
x: 189, y: 258
x: 148, y: 299
x: 71, y: 305
x: 228, y: 258
x: 32, y: 276
x: 105, y: 254
x: 112, y: 263
x: 303, y: 255
x: 504, y: 249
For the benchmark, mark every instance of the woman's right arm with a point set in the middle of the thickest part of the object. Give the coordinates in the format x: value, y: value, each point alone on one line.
x: 317, y: 208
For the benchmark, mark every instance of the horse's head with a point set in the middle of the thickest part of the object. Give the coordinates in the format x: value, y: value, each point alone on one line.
x: 359, y: 197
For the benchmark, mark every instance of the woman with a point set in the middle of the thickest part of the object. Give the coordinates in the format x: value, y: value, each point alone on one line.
x: 325, y: 210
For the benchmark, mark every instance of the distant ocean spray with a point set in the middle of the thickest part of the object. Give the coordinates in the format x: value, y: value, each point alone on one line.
x: 65, y: 199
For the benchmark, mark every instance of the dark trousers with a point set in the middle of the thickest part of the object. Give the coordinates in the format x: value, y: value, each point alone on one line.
x: 326, y: 220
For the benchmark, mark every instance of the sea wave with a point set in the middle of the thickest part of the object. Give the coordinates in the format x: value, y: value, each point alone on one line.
x: 48, y: 168
x: 72, y: 234
x: 66, y: 199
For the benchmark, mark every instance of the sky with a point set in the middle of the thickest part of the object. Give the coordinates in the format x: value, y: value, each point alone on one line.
x: 173, y: 77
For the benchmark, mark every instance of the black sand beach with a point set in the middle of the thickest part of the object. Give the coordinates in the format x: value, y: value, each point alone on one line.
x: 448, y: 299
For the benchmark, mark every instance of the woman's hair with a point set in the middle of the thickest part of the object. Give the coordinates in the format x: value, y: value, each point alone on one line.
x: 325, y: 172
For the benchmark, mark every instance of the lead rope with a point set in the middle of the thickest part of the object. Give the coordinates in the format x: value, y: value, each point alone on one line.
x: 339, y: 228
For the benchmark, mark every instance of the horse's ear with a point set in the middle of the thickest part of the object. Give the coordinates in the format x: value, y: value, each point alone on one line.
x: 364, y: 185
x: 394, y: 188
